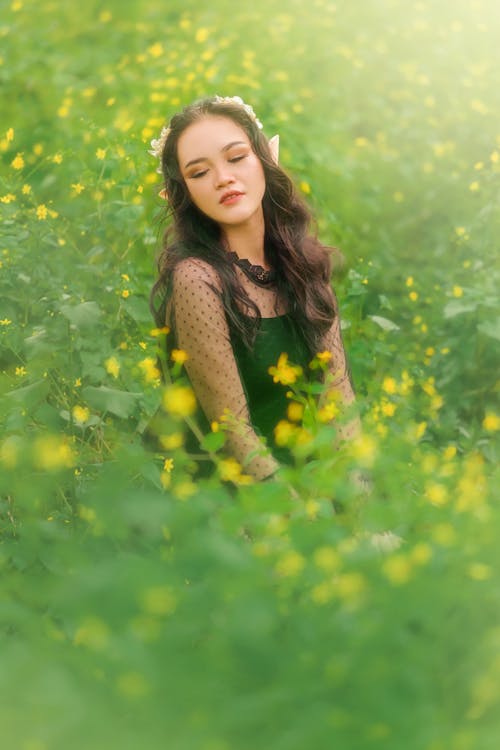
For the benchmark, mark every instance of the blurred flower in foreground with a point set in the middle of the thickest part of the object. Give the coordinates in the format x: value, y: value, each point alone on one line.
x: 491, y: 422
x: 51, y: 453
x: 112, y: 366
x: 179, y: 400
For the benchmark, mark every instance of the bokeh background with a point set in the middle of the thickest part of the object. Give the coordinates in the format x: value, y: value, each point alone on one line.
x: 141, y: 607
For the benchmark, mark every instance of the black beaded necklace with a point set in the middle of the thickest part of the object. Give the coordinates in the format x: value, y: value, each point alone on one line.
x: 259, y: 275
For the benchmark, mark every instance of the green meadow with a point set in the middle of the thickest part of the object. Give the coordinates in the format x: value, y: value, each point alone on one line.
x: 142, y: 608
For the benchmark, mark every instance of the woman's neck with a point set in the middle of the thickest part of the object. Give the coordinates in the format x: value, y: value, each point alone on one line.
x: 247, y: 242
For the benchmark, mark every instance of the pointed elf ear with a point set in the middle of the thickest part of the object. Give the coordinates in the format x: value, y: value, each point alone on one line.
x: 274, y: 145
x: 163, y: 194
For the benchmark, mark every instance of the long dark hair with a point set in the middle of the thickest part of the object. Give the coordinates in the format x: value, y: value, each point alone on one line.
x: 302, y: 263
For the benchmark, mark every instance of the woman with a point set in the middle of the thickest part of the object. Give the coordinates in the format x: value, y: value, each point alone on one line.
x: 240, y: 280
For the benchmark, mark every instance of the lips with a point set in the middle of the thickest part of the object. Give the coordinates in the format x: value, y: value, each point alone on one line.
x: 230, y: 196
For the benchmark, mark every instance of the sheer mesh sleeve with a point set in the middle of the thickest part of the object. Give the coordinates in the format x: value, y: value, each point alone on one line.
x: 339, y: 379
x: 202, y: 331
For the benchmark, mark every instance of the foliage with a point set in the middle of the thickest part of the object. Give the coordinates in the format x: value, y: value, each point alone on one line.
x: 143, y: 605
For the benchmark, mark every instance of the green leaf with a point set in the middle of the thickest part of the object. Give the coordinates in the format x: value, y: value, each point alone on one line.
x: 121, y: 403
x: 30, y: 395
x: 384, y: 323
x: 84, y: 315
x: 490, y: 328
x: 213, y: 441
x: 457, y: 307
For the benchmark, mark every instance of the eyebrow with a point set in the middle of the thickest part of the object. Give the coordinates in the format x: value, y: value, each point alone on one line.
x: 225, y: 148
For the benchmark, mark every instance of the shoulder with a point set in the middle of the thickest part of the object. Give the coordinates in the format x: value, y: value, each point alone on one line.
x: 195, y: 272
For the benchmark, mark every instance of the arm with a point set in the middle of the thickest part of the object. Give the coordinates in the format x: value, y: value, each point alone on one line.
x: 202, y: 331
x: 338, y: 377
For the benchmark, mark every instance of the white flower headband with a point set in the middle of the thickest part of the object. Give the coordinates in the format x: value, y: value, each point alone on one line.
x: 158, y: 144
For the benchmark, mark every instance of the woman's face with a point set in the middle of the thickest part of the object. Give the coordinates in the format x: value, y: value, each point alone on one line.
x: 223, y: 175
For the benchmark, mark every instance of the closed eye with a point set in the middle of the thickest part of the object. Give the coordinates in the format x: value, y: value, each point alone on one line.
x: 198, y: 174
x: 237, y: 158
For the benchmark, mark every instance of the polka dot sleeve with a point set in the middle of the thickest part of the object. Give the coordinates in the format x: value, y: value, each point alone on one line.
x: 338, y: 372
x: 201, y: 328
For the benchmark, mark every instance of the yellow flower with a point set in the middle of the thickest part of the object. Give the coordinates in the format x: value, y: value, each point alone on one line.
x: 295, y: 411
x: 21, y: 371
x: 57, y: 158
x: 491, y: 422
x: 52, y: 453
x: 230, y: 471
x: 421, y: 553
x: 327, y: 559
x: 112, y: 366
x: 17, y: 162
x: 474, y: 186
x: 388, y: 408
x: 437, y: 494
x: 457, y: 291
x: 179, y: 400
x: 398, y: 569
x: 26, y: 189
x: 5, y: 322
x: 125, y: 293
x: 409, y: 281
x: 328, y: 412
x: 350, y: 585
x: 173, y: 441
x: 285, y: 373
x: 159, y: 600
x: 168, y: 465
x: 80, y: 414
x: 159, y: 331
x: 41, y: 212
x: 290, y: 564
x: 9, y: 135
x: 149, y: 369
x: 125, y: 277
x: 389, y: 385
x: 479, y: 571
x: 365, y: 450
x: 179, y: 356
x: 413, y: 296
x: 101, y: 153
x: 78, y: 188
x: 8, y: 198
x: 93, y: 633
x: 305, y: 187
x: 284, y: 432
x: 201, y: 35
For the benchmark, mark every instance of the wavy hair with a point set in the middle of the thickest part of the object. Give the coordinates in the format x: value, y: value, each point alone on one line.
x: 302, y: 263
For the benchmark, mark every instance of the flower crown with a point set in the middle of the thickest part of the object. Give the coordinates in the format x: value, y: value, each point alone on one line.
x: 158, y: 144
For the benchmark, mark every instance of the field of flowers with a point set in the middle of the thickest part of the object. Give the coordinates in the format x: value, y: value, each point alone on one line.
x: 142, y: 609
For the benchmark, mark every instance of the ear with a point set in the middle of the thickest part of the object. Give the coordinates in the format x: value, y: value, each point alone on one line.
x: 274, y: 145
x: 163, y: 194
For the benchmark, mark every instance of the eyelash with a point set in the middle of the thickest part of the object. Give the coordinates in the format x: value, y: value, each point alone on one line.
x: 235, y: 159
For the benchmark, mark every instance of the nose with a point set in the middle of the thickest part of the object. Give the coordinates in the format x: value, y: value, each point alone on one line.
x: 223, y: 176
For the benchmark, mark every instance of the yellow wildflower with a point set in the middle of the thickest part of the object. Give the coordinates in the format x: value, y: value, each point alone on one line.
x: 389, y: 385
x: 179, y: 356
x: 112, y: 366
x: 398, y: 569
x: 9, y: 135
x: 474, y: 186
x: 290, y: 564
x: 101, y: 153
x: 159, y: 600
x: 284, y: 432
x: 41, y: 212
x: 327, y: 559
x: 437, y: 494
x: 305, y: 187
x: 17, y: 162
x: 168, y: 465
x: 125, y: 293
x: 21, y: 371
x: 230, y: 471
x: 457, y: 291
x: 283, y: 372
x: 78, y: 188
x: 149, y: 369
x: 295, y: 411
x: 26, y: 189
x: 409, y: 281
x: 413, y: 296
x: 52, y: 453
x: 491, y: 422
x: 479, y: 571
x: 80, y: 414
x: 5, y: 322
x: 179, y: 400
x: 57, y: 158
